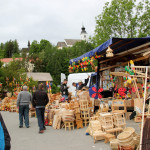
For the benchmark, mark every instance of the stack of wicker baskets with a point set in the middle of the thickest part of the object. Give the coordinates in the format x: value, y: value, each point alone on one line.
x: 126, y: 138
x: 114, y: 144
x: 94, y: 125
x: 68, y: 115
x: 136, y: 139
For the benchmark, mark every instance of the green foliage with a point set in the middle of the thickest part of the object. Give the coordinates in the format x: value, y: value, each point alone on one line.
x: 55, y: 89
x: 35, y: 47
x: 55, y: 61
x: 31, y: 83
x: 11, y: 48
x: 1, y: 73
x: 38, y: 47
x: 2, y: 51
x: 122, y: 18
x: 15, y: 73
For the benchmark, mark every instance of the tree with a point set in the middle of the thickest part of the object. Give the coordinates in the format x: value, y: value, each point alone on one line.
x: 2, y: 50
x: 16, y: 47
x: 37, y: 47
x: 15, y: 73
x: 44, y: 44
x: 144, y: 21
x: 9, y: 46
x: 122, y: 18
x: 57, y: 61
x: 1, y: 73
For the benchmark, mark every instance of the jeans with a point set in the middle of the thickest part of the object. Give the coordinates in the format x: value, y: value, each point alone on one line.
x: 40, y: 116
x: 24, y: 112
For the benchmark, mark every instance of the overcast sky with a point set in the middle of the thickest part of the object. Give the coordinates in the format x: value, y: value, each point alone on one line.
x: 53, y: 20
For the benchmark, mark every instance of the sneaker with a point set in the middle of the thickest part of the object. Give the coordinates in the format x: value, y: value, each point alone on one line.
x: 20, y: 126
x: 28, y: 127
x: 44, y: 128
x: 41, y: 131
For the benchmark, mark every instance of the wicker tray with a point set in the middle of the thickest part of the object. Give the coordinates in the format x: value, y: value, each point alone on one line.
x: 124, y: 136
x: 129, y: 129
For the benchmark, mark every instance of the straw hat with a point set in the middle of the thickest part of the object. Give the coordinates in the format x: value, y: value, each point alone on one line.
x: 79, y: 81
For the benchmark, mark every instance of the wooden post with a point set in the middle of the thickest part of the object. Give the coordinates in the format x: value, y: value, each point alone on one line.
x: 141, y: 137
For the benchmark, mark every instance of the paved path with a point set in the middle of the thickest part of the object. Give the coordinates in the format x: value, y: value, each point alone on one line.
x: 30, y: 139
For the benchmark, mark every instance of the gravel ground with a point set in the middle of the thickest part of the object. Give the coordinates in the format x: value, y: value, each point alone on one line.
x: 30, y: 139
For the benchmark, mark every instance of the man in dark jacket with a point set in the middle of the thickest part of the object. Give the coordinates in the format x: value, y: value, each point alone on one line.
x: 64, y: 89
x: 4, y: 134
x: 81, y: 84
x: 39, y: 101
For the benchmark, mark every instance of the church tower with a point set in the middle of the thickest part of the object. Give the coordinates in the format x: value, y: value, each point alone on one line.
x: 84, y: 35
x: 29, y: 45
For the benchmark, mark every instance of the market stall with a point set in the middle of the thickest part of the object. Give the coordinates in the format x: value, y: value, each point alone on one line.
x: 123, y: 68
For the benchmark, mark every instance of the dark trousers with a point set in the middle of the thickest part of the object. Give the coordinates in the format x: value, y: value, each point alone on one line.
x: 24, y: 113
x: 40, y: 116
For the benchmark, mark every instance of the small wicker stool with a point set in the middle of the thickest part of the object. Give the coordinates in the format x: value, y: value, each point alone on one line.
x: 109, y: 137
x: 69, y: 125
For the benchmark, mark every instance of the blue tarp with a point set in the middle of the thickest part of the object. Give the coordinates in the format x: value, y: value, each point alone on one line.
x: 117, y: 44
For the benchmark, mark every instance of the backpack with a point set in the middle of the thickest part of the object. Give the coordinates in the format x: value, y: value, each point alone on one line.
x: 2, y: 138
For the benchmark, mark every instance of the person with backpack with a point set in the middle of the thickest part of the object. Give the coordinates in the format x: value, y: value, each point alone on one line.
x: 4, y: 136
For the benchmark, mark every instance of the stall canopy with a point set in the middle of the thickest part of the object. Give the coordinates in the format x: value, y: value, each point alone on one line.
x: 117, y: 44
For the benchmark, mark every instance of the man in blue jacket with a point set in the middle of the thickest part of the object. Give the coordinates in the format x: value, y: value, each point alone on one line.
x: 4, y: 136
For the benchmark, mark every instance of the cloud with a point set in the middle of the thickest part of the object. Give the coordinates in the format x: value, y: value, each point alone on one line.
x: 47, y: 19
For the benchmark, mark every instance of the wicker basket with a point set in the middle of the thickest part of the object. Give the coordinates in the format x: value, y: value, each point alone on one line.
x: 114, y: 144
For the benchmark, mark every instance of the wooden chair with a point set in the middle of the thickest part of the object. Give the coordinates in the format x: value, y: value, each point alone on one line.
x: 119, y: 103
x: 69, y: 125
x: 106, y: 121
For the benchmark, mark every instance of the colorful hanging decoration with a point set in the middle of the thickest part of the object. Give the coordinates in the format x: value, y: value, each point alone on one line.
x: 96, y: 93
x: 122, y: 91
x: 97, y: 56
x: 1, y: 86
x: 33, y: 88
x: 129, y: 70
x: 134, y: 90
x: 83, y: 64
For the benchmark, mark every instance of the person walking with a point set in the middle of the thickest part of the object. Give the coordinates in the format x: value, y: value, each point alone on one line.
x: 4, y: 136
x: 39, y: 101
x: 64, y: 89
x: 23, y: 101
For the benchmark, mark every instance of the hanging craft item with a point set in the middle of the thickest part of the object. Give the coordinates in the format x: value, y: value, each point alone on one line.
x: 122, y: 91
x: 85, y: 63
x: 134, y: 90
x: 109, y: 52
x: 1, y: 86
x: 97, y: 56
x: 115, y: 78
x: 96, y: 93
x: 33, y: 89
x: 129, y: 70
x: 70, y: 69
